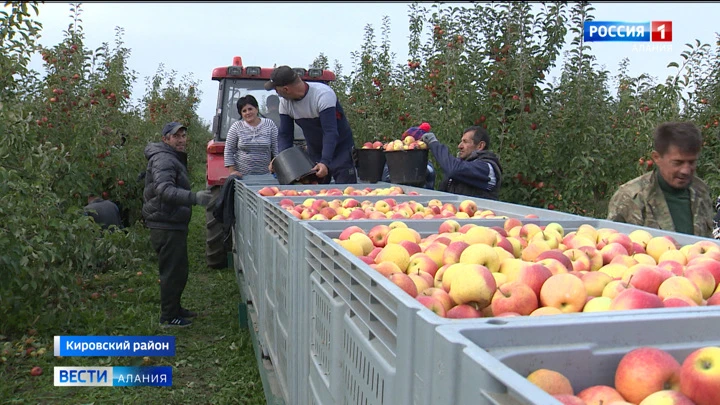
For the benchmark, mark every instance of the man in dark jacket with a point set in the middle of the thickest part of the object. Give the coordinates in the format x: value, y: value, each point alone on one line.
x: 105, y: 213
x: 167, y: 210
x: 475, y: 172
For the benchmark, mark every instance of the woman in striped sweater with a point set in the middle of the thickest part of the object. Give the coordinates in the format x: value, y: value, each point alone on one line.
x: 251, y: 142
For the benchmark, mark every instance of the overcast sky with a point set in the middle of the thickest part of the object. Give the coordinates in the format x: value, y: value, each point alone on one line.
x: 194, y: 38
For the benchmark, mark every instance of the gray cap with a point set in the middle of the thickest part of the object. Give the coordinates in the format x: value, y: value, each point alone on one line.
x: 281, y: 76
x: 171, y: 127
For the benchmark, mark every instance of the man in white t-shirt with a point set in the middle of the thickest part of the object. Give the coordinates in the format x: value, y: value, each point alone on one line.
x: 314, y: 107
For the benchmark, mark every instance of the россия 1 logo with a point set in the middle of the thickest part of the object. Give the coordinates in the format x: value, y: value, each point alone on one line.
x: 617, y: 31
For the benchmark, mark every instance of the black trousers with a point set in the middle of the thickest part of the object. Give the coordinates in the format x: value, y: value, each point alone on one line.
x: 171, y: 248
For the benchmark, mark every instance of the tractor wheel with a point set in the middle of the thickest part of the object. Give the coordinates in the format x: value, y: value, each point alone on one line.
x: 215, y: 253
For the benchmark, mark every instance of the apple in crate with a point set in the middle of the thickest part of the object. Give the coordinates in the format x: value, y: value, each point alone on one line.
x: 711, y: 265
x: 565, y: 292
x: 565, y: 399
x: 441, y: 295
x: 386, y: 268
x: 551, y: 381
x: 406, y: 283
x: 679, y: 285
x: 600, y: 394
x: 432, y: 303
x: 422, y: 262
x: 700, y: 376
x: 396, y: 254
x: 646, y: 370
x: 463, y: 311
x: 345, y: 234
x: 514, y: 297
x: 667, y: 397
x: 378, y: 235
x: 633, y: 298
x: 472, y: 284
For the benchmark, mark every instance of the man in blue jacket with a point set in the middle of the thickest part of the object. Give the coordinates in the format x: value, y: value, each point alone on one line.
x: 317, y: 111
x: 475, y: 171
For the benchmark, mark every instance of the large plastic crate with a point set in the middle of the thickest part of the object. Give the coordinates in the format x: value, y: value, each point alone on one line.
x: 251, y: 180
x: 279, y: 256
x: 489, y: 363
x: 249, y: 247
x: 379, y: 185
x: 369, y: 328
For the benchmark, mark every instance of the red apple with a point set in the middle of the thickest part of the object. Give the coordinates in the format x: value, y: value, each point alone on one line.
x: 453, y: 251
x: 386, y: 268
x: 463, y: 311
x: 514, y: 297
x: 633, y: 298
x: 646, y: 370
x: 432, y: 304
x: 378, y: 235
x: 700, y: 376
x: 566, y: 399
x: 441, y: 295
x: 534, y: 276
x: 678, y: 301
x: 422, y: 262
x: 345, y: 234
x: 411, y: 247
x: 406, y: 283
x: 557, y: 255
x: 599, y: 395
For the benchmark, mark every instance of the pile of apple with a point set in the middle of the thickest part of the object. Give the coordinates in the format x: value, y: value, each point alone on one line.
x: 408, y: 143
x: 388, y: 208
x: 645, y: 376
x: 274, y: 191
x: 528, y: 269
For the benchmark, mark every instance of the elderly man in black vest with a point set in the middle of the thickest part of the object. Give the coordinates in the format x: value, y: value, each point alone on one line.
x: 475, y: 171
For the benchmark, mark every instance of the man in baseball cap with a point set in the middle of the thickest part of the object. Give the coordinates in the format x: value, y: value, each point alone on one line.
x: 171, y: 128
x: 314, y: 107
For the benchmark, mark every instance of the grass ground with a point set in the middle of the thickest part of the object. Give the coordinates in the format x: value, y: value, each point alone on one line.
x: 214, y: 362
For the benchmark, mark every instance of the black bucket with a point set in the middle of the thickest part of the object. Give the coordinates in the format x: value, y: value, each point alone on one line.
x: 371, y: 163
x: 293, y: 165
x: 407, y: 167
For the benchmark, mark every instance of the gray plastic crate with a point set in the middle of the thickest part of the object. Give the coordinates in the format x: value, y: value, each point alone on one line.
x: 489, y: 363
x: 280, y: 274
x: 319, y: 187
x: 388, y: 334
x: 268, y: 179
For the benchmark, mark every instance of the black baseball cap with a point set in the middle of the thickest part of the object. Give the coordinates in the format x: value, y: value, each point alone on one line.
x: 281, y: 76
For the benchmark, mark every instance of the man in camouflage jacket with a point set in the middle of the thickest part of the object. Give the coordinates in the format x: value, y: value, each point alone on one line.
x: 671, y: 197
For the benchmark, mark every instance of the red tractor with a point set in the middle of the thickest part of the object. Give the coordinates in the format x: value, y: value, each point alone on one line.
x: 237, y: 81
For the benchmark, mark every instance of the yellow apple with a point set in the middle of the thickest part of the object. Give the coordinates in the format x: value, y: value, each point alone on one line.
x: 564, y: 291
x: 597, y: 304
x: 552, y: 382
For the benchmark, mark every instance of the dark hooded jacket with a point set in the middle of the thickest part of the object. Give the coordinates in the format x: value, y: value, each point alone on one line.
x: 167, y: 199
x: 470, y: 176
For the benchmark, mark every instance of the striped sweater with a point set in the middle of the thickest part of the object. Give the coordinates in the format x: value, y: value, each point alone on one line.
x: 249, y: 148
